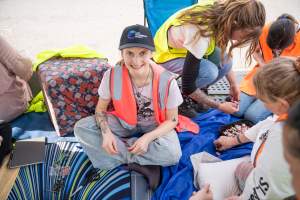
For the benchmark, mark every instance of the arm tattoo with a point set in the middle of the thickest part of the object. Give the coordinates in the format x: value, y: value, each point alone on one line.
x: 101, y: 121
x: 174, y: 119
x: 202, y: 98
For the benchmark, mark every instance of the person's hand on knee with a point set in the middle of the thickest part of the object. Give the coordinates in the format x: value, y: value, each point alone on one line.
x: 109, y: 143
x: 204, y: 194
x: 140, y: 146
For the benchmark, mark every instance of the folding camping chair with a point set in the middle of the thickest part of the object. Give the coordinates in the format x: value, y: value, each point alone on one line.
x: 157, y: 11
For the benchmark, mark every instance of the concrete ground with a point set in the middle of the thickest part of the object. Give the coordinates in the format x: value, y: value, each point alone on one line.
x: 35, y: 25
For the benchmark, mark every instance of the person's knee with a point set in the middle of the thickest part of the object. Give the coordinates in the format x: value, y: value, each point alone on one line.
x: 243, y: 108
x: 173, y: 150
x: 177, y: 155
x: 226, y: 66
x: 257, y: 112
x: 172, y: 156
x: 83, y: 124
x: 208, y: 73
x: 252, y: 116
x: 246, y: 103
x: 239, y: 113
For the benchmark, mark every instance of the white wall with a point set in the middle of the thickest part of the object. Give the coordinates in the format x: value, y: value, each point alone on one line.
x: 35, y: 25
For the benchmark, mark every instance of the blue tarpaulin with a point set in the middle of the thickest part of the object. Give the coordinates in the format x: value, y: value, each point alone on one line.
x: 32, y: 125
x: 177, y: 181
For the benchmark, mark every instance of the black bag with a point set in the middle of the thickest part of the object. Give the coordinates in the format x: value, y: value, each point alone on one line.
x: 6, y: 145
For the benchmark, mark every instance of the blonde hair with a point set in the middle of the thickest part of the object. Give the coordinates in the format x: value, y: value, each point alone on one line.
x: 280, y: 78
x: 223, y: 17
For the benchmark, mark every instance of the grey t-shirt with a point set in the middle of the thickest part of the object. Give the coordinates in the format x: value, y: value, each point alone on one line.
x: 144, y: 102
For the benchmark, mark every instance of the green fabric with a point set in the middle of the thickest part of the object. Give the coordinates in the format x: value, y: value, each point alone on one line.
x: 77, y: 51
x: 37, y: 104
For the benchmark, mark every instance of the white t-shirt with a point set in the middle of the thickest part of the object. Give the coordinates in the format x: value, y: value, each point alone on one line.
x: 270, y: 179
x: 187, y: 36
x: 145, y: 109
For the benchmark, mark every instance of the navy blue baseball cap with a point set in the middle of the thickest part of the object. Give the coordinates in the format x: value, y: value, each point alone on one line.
x: 136, y: 36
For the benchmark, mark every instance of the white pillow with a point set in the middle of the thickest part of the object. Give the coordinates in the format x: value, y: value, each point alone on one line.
x: 209, y: 169
x: 202, y: 157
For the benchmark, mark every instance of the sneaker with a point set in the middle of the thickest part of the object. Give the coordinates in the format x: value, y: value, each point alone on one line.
x: 187, y: 108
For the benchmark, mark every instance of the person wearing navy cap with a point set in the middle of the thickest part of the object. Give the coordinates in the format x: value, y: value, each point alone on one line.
x: 140, y: 130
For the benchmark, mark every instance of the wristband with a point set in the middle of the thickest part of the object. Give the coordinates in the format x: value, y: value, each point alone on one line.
x: 238, y: 139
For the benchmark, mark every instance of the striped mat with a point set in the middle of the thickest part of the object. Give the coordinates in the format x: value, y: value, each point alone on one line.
x: 63, y: 172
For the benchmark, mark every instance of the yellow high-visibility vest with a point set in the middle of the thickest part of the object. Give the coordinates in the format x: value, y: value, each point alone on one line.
x: 163, y: 52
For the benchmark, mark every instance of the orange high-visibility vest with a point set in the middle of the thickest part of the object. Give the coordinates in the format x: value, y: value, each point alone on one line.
x: 246, y: 85
x: 124, y: 102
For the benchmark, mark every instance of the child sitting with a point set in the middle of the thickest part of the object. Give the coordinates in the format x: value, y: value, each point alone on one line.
x: 277, y: 84
x: 140, y: 129
x: 281, y: 38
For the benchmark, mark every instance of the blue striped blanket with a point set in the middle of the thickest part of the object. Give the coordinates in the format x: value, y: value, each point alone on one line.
x: 63, y: 172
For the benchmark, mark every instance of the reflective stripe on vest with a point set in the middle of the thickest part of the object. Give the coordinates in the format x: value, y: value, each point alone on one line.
x: 246, y: 85
x: 117, y: 83
x: 163, y: 88
x: 162, y: 50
